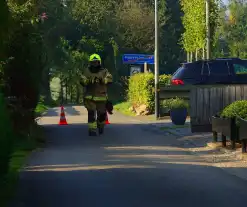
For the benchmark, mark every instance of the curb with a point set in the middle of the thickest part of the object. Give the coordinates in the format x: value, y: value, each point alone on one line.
x: 41, y: 115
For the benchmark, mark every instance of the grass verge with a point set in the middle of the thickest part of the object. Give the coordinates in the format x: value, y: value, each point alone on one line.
x: 123, y: 107
x: 21, y: 150
x: 40, y: 109
x: 175, y: 127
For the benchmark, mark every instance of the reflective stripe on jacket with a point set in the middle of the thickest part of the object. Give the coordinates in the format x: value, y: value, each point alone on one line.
x: 92, y: 125
x: 94, y: 98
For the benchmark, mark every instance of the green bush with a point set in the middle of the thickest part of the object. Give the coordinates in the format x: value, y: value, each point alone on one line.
x: 6, y: 138
x: 175, y: 103
x: 236, y: 109
x: 141, y: 89
x: 165, y: 79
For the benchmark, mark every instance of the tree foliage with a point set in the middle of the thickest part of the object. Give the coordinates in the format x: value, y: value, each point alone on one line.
x: 194, y: 21
x: 231, y: 33
x: 235, y: 30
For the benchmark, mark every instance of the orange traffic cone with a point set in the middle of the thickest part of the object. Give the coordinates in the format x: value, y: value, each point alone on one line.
x: 107, y: 120
x: 63, y: 120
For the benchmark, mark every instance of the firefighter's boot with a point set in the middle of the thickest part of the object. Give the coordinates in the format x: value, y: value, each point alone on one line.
x: 101, y: 130
x: 101, y: 122
x: 92, y: 133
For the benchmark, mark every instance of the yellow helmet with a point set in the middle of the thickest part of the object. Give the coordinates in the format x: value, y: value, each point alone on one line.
x: 95, y: 57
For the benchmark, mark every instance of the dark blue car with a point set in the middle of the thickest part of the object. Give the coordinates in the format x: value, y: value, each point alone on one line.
x: 217, y: 71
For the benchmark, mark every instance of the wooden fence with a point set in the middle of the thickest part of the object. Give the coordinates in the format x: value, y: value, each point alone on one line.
x: 167, y: 92
x: 206, y: 101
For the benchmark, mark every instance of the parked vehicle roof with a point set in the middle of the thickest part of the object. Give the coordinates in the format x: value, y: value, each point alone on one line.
x: 212, y: 60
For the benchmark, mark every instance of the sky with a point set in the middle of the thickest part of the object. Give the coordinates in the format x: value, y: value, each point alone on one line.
x: 225, y: 1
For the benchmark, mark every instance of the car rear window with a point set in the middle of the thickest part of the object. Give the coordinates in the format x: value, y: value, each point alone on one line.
x: 179, y: 73
x: 188, y: 71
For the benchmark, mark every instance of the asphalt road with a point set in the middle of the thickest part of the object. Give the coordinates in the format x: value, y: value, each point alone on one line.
x: 126, y: 167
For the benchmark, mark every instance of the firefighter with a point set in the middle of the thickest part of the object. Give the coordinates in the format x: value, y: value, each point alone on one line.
x: 95, y: 80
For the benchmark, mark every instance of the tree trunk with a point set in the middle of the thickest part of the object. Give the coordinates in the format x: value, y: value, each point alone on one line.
x: 71, y: 94
x: 188, y: 57
x: 61, y: 93
x: 66, y: 91
x: 77, y: 94
x: 203, y: 53
x: 47, y: 88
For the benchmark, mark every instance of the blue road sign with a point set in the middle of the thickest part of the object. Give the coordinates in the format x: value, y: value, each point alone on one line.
x: 138, y: 59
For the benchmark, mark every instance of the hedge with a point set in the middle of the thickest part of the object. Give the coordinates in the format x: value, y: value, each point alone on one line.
x: 6, y: 138
x: 141, y: 89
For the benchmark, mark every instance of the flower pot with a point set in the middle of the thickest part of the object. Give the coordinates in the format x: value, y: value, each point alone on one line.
x: 178, y: 116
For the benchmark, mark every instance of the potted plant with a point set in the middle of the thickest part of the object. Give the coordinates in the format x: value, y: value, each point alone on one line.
x: 178, y: 110
x: 165, y: 108
x: 236, y: 110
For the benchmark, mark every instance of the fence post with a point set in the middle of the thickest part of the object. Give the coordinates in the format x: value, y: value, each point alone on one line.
x: 215, y: 137
x: 233, y: 133
x: 244, y: 146
x: 223, y: 140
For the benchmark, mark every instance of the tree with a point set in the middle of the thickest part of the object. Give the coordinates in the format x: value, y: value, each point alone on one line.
x: 231, y: 33
x: 171, y: 52
x: 194, y: 21
x: 237, y: 29
x: 136, y: 26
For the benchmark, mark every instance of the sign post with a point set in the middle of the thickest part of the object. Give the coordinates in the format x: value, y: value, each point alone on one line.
x: 156, y: 73
x: 145, y: 67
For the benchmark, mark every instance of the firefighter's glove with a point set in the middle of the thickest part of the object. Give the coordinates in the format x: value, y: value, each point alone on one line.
x: 108, y: 79
x: 84, y: 81
x: 109, y: 107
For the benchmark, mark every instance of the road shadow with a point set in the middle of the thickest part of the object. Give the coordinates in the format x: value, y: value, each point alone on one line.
x: 125, y: 167
x: 182, y: 133
x: 69, y: 111
x: 117, y: 137
x: 112, y: 185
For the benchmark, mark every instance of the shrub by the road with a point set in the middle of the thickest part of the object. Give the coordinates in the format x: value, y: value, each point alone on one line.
x: 14, y: 148
x: 6, y: 138
x: 141, y: 89
x: 236, y: 109
x: 165, y: 80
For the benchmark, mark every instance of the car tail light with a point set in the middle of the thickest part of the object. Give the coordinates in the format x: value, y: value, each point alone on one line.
x: 177, y: 82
